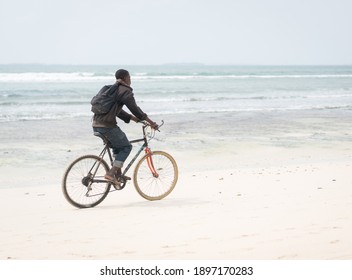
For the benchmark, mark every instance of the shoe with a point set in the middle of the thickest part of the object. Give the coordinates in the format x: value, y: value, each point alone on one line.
x: 112, y: 175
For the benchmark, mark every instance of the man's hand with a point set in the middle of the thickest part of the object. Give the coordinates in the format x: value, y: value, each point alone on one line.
x: 154, y: 125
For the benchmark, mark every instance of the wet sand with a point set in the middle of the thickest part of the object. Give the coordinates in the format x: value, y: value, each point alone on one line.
x: 267, y: 193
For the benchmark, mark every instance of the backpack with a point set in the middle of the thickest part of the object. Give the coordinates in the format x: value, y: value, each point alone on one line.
x: 104, y: 100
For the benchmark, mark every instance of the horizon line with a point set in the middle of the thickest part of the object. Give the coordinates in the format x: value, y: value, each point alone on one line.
x: 171, y: 64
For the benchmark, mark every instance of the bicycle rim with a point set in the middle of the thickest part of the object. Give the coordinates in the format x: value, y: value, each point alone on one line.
x: 156, y: 187
x: 78, y: 186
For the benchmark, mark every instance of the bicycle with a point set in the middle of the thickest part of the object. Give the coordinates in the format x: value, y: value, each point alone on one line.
x: 154, y: 177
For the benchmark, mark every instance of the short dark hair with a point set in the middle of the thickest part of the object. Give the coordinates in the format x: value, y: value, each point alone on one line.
x: 121, y: 74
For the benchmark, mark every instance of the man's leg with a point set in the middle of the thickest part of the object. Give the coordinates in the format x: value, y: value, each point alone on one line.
x: 121, y: 148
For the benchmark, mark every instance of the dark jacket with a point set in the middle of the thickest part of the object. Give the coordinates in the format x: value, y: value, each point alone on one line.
x: 125, y: 97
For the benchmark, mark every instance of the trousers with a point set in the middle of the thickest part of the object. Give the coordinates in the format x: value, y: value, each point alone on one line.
x: 119, y: 143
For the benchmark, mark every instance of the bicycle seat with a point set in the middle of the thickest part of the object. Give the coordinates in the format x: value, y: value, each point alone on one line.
x: 100, y: 135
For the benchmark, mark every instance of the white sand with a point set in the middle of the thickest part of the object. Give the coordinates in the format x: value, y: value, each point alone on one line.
x: 256, y: 202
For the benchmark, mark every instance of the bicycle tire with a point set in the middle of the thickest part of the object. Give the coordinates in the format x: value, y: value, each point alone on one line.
x: 151, y: 187
x: 76, y: 181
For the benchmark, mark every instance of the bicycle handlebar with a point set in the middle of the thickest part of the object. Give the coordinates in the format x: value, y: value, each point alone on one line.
x: 148, y: 124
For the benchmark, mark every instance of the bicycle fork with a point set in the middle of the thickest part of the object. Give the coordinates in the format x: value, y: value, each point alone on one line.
x: 149, y: 159
x: 150, y: 163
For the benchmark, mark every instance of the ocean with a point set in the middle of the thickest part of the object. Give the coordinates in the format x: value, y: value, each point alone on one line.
x: 54, y: 92
x: 215, y: 116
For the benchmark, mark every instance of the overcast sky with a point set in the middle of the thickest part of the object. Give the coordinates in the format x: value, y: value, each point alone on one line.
x: 176, y: 31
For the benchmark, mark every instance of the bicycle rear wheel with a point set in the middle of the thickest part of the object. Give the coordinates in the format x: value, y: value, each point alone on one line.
x: 83, y: 183
x: 159, y: 185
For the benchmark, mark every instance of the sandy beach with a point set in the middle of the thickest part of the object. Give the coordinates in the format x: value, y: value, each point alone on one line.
x: 237, y: 198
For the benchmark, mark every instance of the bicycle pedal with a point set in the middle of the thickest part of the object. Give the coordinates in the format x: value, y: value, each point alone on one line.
x: 123, y: 178
x: 126, y: 178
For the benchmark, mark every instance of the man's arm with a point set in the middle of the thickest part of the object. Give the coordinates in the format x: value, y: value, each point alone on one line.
x: 126, y: 117
x: 138, y: 114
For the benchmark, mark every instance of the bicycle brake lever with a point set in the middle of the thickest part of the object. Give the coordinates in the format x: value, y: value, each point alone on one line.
x: 143, y: 122
x: 162, y: 123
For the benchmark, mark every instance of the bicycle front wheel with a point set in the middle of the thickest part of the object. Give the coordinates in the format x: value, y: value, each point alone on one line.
x: 156, y: 177
x: 83, y: 183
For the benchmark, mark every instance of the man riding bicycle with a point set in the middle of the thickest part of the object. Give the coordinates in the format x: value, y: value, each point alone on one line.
x: 106, y: 124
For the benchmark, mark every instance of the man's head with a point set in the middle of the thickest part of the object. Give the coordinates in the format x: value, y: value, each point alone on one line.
x: 123, y: 75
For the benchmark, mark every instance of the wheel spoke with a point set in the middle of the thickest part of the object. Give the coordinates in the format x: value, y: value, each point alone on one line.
x: 78, y: 185
x: 151, y: 187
